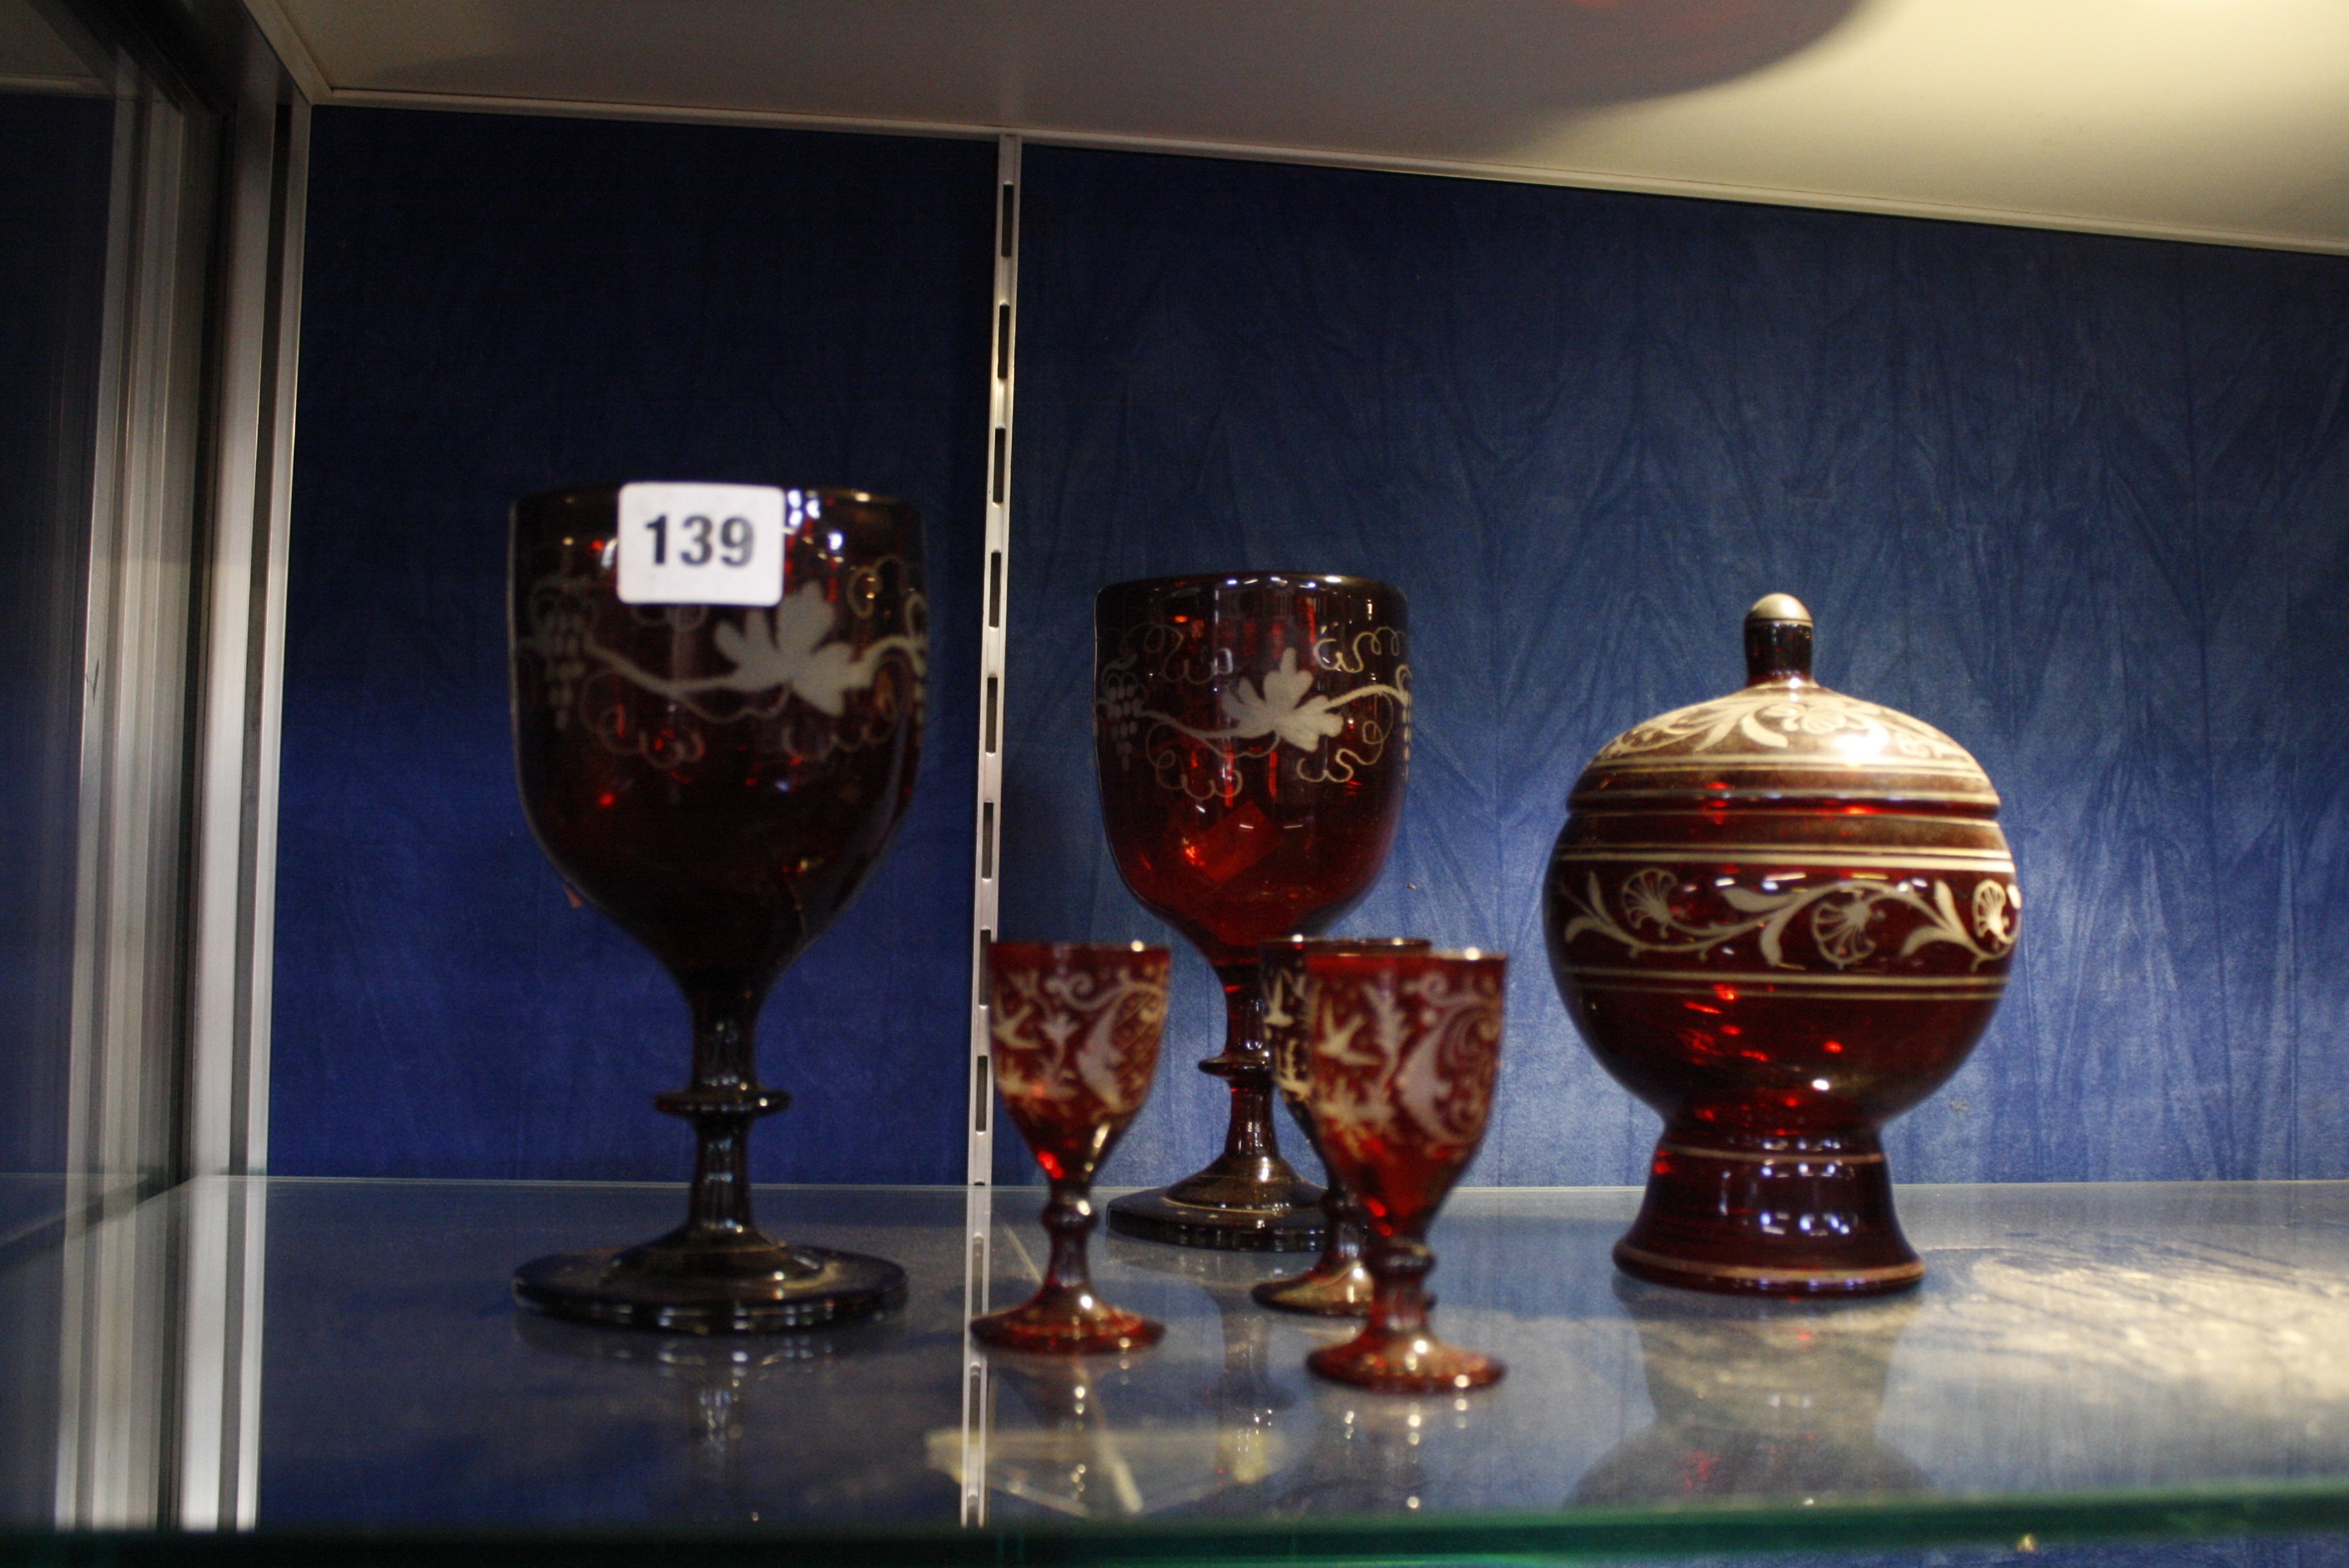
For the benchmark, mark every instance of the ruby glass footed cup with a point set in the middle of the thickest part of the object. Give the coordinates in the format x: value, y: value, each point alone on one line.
x: 1406, y: 1049
x: 1781, y: 918
x: 1074, y: 1032
x: 1338, y: 1285
x: 718, y: 779
x: 1251, y: 734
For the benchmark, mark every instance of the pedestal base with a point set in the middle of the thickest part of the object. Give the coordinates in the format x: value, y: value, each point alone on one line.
x: 1047, y: 1328
x: 758, y: 1287
x: 1339, y: 1289
x: 1405, y: 1362
x: 1285, y: 1216
x: 1809, y: 1220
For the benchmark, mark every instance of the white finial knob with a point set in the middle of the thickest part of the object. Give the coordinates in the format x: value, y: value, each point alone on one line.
x: 1778, y: 607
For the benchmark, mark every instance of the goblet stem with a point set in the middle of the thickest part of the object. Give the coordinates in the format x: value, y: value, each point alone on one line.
x: 1249, y: 1198
x: 723, y: 1101
x: 1400, y: 1266
x: 1243, y: 1021
x: 1251, y: 1146
x: 1339, y: 1285
x: 720, y: 1205
x: 1341, y: 1211
x: 1069, y: 1219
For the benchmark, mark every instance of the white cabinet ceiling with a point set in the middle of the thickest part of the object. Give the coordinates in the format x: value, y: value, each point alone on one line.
x: 34, y: 59
x: 2217, y: 119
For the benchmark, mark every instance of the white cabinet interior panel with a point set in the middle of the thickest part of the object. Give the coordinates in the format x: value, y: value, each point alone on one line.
x: 2219, y: 119
x: 34, y: 59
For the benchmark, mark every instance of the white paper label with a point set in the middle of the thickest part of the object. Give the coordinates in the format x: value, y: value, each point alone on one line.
x: 701, y: 545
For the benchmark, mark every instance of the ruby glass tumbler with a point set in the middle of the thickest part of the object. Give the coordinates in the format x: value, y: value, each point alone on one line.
x: 1251, y: 735
x: 1074, y: 1033
x: 1406, y: 1049
x: 718, y: 779
x: 1339, y: 1285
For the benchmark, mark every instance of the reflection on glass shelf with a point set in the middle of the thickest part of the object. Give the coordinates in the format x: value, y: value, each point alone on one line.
x: 1076, y: 1438
x: 1757, y: 1400
x: 400, y: 1384
x: 722, y: 1392
x: 2077, y: 1353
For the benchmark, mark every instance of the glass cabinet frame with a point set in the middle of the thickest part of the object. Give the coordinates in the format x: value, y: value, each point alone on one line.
x: 162, y: 1211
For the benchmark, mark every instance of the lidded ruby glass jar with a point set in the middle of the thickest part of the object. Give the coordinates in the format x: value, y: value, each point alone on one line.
x: 1781, y: 918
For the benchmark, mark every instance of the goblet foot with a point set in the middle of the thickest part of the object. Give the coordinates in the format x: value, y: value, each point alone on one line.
x: 1062, y: 1326
x: 1811, y: 1218
x: 1338, y: 1287
x: 752, y: 1284
x: 1247, y: 1205
x: 1405, y: 1361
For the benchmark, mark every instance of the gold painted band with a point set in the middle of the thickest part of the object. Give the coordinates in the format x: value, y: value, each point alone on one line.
x: 1781, y: 1156
x: 1716, y: 762
x: 1706, y: 854
x: 1598, y: 799
x: 1705, y: 980
x: 1766, y: 1277
x: 1854, y: 995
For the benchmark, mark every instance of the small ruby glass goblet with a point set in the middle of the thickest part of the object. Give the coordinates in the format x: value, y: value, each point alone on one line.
x: 1074, y: 1033
x: 719, y: 778
x: 1251, y: 735
x: 1338, y: 1285
x: 1406, y: 1048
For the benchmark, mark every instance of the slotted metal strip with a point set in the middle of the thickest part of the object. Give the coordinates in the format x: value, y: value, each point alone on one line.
x: 1002, y: 365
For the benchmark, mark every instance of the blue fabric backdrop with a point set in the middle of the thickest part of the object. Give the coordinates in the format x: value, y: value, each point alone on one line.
x: 2081, y: 502
x: 495, y: 305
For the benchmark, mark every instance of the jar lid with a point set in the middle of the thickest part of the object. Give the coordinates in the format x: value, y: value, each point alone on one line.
x: 1784, y: 739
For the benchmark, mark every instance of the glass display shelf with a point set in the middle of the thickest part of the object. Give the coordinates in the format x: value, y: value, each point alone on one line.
x: 2082, y: 1361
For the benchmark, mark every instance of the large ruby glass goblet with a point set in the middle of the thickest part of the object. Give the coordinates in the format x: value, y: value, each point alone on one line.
x: 1250, y: 740
x: 718, y: 780
x: 1073, y: 1032
x: 1781, y: 918
x: 1251, y: 733
x: 1406, y: 1048
x: 1339, y: 1285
